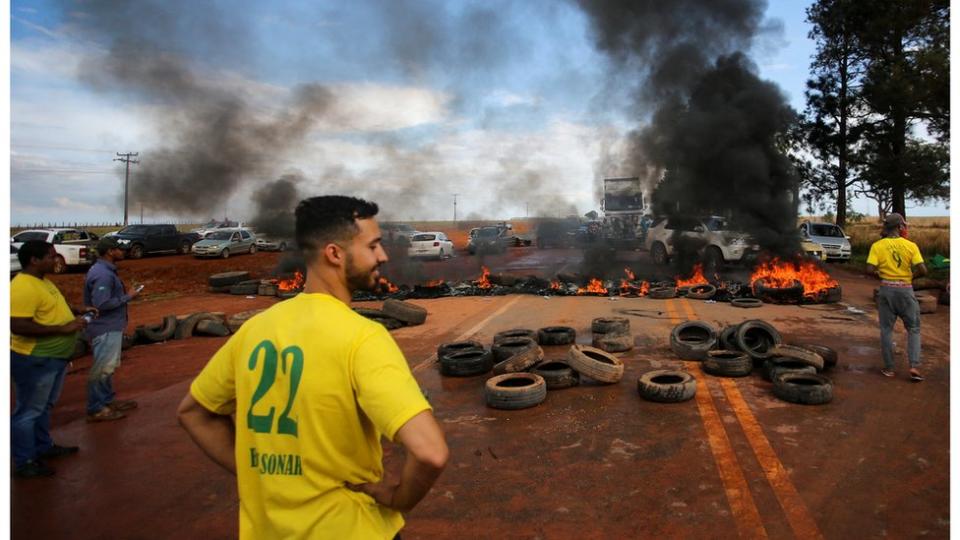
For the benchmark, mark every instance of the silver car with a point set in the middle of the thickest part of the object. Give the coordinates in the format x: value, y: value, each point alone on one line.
x: 836, y: 244
x: 225, y: 243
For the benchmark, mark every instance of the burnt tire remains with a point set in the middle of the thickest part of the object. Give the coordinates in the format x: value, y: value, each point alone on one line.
x: 556, y: 335
x: 803, y: 388
x: 466, y: 363
x: 692, y: 339
x: 606, y: 325
x: 557, y: 374
x: 746, y: 303
x: 702, y: 292
x: 757, y: 338
x: 662, y: 293
x: 513, y: 391
x: 728, y: 363
x: 514, y: 333
x: 667, y: 386
x: 405, y: 312
x: 595, y: 363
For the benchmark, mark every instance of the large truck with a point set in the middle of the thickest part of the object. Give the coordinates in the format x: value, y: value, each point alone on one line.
x: 623, y: 210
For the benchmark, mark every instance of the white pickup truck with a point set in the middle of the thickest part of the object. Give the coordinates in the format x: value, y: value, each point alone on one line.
x: 74, y: 247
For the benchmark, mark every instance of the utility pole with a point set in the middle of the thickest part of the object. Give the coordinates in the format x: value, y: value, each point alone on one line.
x: 127, y: 159
x: 455, y: 207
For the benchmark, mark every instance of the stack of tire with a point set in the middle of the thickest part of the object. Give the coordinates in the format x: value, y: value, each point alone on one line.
x: 794, y: 370
x: 228, y: 282
x: 203, y: 323
x: 395, y: 314
x: 612, y: 334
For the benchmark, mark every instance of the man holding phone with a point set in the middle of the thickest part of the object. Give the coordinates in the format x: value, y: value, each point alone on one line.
x: 104, y: 290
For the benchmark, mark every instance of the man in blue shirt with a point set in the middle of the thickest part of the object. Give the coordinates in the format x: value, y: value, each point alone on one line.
x: 104, y: 290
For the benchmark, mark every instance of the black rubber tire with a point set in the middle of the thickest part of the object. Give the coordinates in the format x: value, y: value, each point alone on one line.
x: 746, y: 303
x: 799, y: 353
x: 210, y: 327
x: 692, y: 339
x: 557, y: 374
x: 728, y: 363
x: 59, y: 265
x: 658, y: 252
x: 253, y: 249
x: 702, y: 292
x: 388, y: 322
x: 605, y: 325
x: 512, y: 391
x: 662, y: 293
x: 369, y: 312
x: 595, y: 363
x: 411, y: 314
x: 225, y: 254
x: 245, y: 288
x: 667, y: 386
x: 235, y: 321
x: 186, y: 326
x: 522, y: 360
x: 829, y: 355
x: 459, y: 346
x: 757, y: 338
x: 184, y: 247
x: 506, y: 348
x: 556, y: 335
x: 776, y: 366
x: 613, y: 341
x: 770, y: 294
x: 466, y: 363
x: 803, y: 388
x: 727, y: 339
x: 127, y: 341
x: 514, y: 333
x: 225, y: 289
x: 136, y: 251
x: 162, y: 333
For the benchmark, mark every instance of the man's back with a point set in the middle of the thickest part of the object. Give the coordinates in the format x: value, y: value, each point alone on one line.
x: 894, y: 258
x: 313, y: 386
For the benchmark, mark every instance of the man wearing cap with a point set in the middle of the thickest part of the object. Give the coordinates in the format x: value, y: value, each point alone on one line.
x: 897, y: 261
x: 104, y: 290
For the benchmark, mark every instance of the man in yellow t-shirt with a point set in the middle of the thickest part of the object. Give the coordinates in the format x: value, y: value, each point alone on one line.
x: 897, y: 261
x: 43, y: 337
x: 313, y: 386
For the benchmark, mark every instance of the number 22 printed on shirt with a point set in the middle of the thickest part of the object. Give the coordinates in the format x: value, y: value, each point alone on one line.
x: 263, y: 423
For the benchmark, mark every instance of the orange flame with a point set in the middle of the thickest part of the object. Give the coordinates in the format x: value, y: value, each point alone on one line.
x: 630, y: 274
x: 778, y: 273
x: 644, y: 288
x: 594, y: 287
x: 384, y: 284
x: 696, y: 279
x: 555, y: 285
x: 484, y: 281
x: 287, y: 285
x: 435, y: 283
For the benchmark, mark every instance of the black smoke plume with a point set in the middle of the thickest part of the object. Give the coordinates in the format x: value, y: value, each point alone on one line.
x: 275, y: 205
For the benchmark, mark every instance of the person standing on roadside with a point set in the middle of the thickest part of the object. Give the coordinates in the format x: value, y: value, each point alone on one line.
x: 104, y: 290
x: 897, y: 261
x: 43, y: 328
x: 314, y: 386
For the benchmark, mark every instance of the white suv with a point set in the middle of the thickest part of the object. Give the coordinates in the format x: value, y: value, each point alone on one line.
x: 719, y: 243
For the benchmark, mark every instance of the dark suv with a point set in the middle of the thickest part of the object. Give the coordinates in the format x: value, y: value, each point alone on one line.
x: 138, y: 240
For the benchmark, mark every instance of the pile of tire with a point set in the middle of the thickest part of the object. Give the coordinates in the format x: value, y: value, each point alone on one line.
x: 395, y: 314
x: 224, y: 281
x: 612, y: 334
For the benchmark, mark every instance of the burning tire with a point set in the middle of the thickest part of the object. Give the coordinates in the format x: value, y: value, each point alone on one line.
x: 803, y: 388
x: 662, y: 293
x: 210, y: 327
x: 522, y: 360
x: 406, y: 312
x: 727, y: 340
x: 606, y: 325
x: 160, y: 332
x: 829, y: 355
x: 799, y: 353
x: 777, y: 366
x: 613, y: 341
x: 595, y: 363
x: 511, y: 346
x: 513, y: 391
x: 458, y: 346
x: 466, y: 363
x: 556, y: 335
x: 514, y: 333
x: 557, y: 375
x: 667, y: 386
x: 702, y: 292
x: 746, y: 302
x: 728, y: 363
x: 757, y: 339
x: 782, y: 295
x: 692, y: 339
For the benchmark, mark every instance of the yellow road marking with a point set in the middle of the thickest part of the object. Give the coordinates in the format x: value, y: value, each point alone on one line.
x: 476, y: 328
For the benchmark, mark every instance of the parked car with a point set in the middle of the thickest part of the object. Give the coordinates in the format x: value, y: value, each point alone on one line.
x: 225, y: 243
x: 430, y: 244
x: 14, y: 261
x: 489, y: 239
x: 717, y: 243
x: 74, y: 246
x: 138, y: 240
x: 397, y: 234
x: 213, y: 226
x: 836, y: 244
x: 270, y: 244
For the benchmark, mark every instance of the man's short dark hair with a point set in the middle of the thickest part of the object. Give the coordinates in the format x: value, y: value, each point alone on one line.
x: 32, y: 249
x: 330, y: 218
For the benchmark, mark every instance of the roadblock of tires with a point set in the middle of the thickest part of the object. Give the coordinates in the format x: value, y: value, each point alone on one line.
x: 795, y: 370
x: 395, y: 314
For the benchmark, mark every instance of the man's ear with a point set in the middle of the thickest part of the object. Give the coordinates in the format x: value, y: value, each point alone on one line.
x: 334, y: 254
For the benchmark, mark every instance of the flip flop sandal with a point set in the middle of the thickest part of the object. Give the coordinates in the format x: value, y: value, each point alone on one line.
x: 916, y: 377
x: 887, y: 373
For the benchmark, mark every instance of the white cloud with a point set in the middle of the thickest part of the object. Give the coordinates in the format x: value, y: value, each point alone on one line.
x: 503, y: 98
x: 373, y: 107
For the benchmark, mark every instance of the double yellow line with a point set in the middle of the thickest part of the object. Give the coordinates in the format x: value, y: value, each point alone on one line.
x: 744, y: 509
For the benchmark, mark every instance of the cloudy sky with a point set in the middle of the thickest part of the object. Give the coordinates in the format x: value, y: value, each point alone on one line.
x: 509, y: 105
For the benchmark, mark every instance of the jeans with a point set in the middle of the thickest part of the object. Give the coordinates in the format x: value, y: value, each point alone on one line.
x: 37, y: 381
x: 893, y: 302
x: 106, y: 359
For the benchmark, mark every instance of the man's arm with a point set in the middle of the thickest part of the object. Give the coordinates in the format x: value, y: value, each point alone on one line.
x: 213, y: 433
x: 427, y: 456
x: 872, y: 270
x: 101, y: 295
x: 26, y: 326
x: 919, y: 270
x: 80, y: 309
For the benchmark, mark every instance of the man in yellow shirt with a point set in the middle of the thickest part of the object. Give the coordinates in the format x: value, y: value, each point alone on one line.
x: 897, y: 261
x: 313, y: 386
x: 43, y: 337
